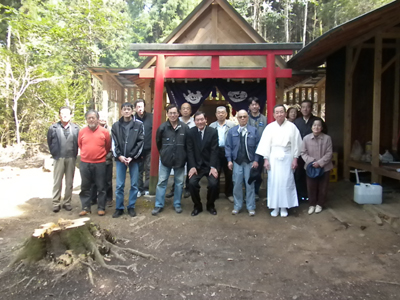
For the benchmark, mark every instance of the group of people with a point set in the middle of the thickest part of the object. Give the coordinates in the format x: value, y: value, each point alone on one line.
x: 286, y: 148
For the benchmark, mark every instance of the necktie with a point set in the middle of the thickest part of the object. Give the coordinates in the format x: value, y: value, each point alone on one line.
x: 201, y: 135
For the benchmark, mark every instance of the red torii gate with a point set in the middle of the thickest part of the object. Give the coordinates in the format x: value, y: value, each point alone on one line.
x: 161, y: 72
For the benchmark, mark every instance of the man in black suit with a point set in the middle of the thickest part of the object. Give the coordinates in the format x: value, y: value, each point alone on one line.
x: 202, y: 147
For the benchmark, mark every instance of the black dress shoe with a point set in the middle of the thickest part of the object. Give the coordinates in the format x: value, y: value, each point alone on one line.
x: 196, y: 211
x: 186, y: 194
x: 170, y: 194
x: 212, y: 211
x: 67, y: 207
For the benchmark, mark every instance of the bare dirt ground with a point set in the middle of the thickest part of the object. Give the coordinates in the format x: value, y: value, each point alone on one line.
x: 340, y: 253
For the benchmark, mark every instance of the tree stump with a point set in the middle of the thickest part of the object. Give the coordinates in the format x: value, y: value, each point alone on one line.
x: 71, y: 243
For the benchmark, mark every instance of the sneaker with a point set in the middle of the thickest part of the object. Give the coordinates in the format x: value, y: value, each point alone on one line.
x: 109, y: 203
x: 170, y: 194
x: 118, y: 213
x: 235, y: 212
x: 156, y: 210
x: 84, y: 213
x: 252, y: 213
x: 101, y: 213
x: 284, y: 212
x: 275, y: 212
x: 311, y: 210
x: 230, y: 199
x: 131, y: 212
x: 178, y: 209
x: 146, y: 193
x: 318, y: 209
x: 139, y: 194
x: 56, y: 209
x: 186, y: 194
x: 67, y: 207
x: 257, y: 198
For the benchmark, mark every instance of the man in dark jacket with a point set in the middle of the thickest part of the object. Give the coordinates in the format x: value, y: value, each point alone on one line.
x: 144, y: 164
x: 171, y: 144
x: 202, y: 150
x: 127, y: 139
x: 303, y: 124
x: 62, y: 138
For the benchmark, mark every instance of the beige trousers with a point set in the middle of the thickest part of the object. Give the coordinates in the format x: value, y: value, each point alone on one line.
x: 63, y: 167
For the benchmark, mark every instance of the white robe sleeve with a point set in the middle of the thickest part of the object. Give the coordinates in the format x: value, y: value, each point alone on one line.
x: 296, y: 142
x: 264, y: 146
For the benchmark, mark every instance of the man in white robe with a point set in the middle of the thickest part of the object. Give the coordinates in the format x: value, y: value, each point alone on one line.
x: 280, y: 146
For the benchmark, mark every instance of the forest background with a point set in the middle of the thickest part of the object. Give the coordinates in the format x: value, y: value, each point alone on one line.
x: 46, y: 45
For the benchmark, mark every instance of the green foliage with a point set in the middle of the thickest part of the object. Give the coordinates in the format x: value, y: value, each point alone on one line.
x: 52, y: 42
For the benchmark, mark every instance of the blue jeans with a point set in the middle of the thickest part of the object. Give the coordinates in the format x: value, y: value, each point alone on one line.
x: 241, y: 172
x: 163, y: 175
x: 120, y: 184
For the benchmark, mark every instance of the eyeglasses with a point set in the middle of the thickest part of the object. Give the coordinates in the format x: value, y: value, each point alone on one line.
x: 185, y: 108
x: 173, y: 113
x: 242, y: 117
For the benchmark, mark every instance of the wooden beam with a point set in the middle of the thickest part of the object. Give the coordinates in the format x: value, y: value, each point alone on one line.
x: 376, y: 107
x: 396, y: 99
x: 280, y: 91
x: 348, y: 99
x: 390, y: 62
x: 355, y: 59
x: 106, y: 93
x: 147, y: 95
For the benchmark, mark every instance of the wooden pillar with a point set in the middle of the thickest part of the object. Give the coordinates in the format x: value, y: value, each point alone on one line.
x: 280, y: 92
x: 147, y: 95
x: 287, y: 98
x: 300, y: 95
x: 306, y: 93
x: 319, y: 100
x: 271, y: 82
x: 376, y: 108
x: 129, y: 97
x: 158, y: 109
x: 106, y: 95
x: 140, y: 93
x: 348, y: 93
x: 122, y: 100
x: 396, y: 97
x: 134, y: 94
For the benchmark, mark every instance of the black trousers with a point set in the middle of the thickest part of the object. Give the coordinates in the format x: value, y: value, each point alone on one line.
x: 212, y: 188
x: 93, y: 174
x: 300, y: 178
x: 223, y: 166
x: 108, y: 187
x: 144, y: 169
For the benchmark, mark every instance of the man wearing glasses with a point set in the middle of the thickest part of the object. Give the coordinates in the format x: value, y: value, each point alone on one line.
x: 240, y: 148
x: 171, y: 144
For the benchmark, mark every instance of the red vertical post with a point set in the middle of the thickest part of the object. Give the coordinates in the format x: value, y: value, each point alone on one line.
x: 271, y: 85
x: 158, y: 109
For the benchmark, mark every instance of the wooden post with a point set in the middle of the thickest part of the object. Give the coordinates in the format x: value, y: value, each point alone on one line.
x: 280, y: 92
x: 147, y: 95
x: 106, y: 94
x: 158, y: 109
x: 288, y: 98
x: 396, y: 97
x: 140, y: 93
x: 134, y: 94
x: 271, y: 82
x: 376, y: 108
x: 300, y: 95
x: 348, y: 93
x: 306, y: 94
x: 129, y: 98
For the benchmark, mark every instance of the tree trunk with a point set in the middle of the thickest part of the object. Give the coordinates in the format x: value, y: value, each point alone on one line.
x: 305, y: 23
x: 287, y: 21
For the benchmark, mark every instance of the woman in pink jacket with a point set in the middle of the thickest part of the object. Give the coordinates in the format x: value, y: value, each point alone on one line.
x: 317, y: 151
